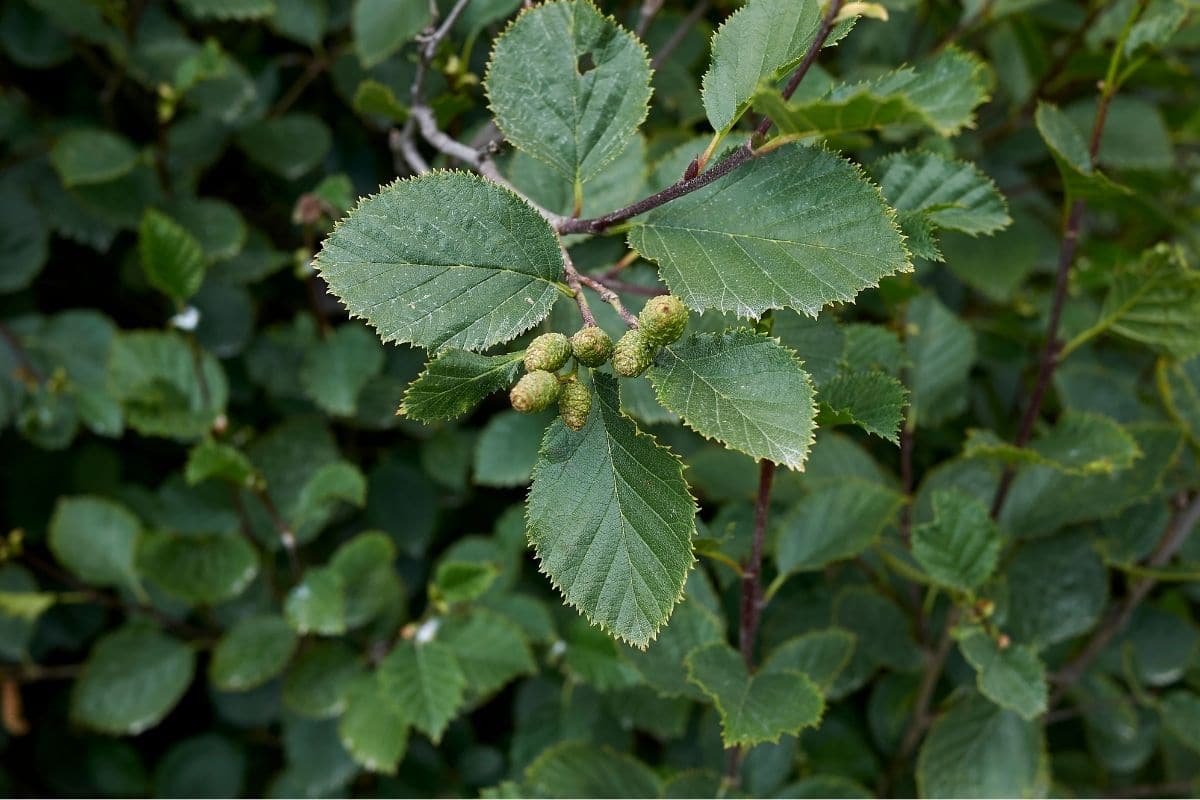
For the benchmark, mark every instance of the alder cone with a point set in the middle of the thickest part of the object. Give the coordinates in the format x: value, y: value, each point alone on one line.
x: 591, y: 346
x: 574, y: 405
x: 536, y: 391
x: 632, y: 355
x: 547, y: 352
x: 663, y: 319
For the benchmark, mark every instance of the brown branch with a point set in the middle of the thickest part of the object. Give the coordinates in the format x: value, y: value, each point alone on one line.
x: 1173, y: 539
x: 752, y: 595
x: 737, y: 158
x: 679, y: 34
x: 631, y: 288
x: 22, y: 355
x: 572, y: 277
x: 612, y: 298
x: 646, y: 14
x: 286, y: 536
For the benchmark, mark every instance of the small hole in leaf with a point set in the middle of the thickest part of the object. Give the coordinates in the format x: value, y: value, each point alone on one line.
x: 585, y: 64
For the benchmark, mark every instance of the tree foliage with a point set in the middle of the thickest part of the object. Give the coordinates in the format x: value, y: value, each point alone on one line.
x: 653, y: 399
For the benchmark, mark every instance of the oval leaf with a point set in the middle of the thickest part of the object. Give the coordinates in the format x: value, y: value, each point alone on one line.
x: 444, y: 260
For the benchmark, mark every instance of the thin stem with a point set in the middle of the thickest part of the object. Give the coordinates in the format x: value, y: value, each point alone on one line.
x: 286, y: 536
x: 310, y: 73
x: 1172, y: 540
x: 610, y: 297
x: 22, y: 355
x: 1052, y: 349
x: 752, y: 604
x: 752, y: 597
x: 737, y: 158
x: 810, y: 58
x: 985, y: 9
x: 907, y: 435
x: 646, y: 14
x: 679, y: 34
x: 631, y: 288
x: 573, y: 281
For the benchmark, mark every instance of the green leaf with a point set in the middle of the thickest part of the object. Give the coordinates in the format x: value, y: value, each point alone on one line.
x: 754, y: 708
x: 366, y: 565
x: 318, y: 603
x: 618, y: 184
x: 251, y: 653
x: 760, y: 42
x: 1180, y: 711
x: 611, y: 520
x: 941, y: 348
x: 951, y: 195
x: 217, y: 225
x: 960, y: 547
x: 373, y: 729
x: 165, y: 388
x: 339, y: 366
x: 821, y: 655
x: 210, y: 459
x: 1068, y: 146
x: 317, y: 680
x: 424, y: 680
x: 455, y: 381
x: 329, y: 487
x: 692, y: 626
x: 199, y: 570
x: 378, y: 99
x: 172, y: 258
x: 941, y: 94
x: 800, y: 249
x: 883, y: 629
x: 1057, y: 589
x: 464, y: 262
x: 1179, y: 384
x: 1156, y: 302
x: 1135, y: 134
x: 95, y: 539
x: 569, y: 86
x: 1080, y: 443
x: 1043, y: 500
x: 24, y: 239
x: 288, y: 146
x: 461, y: 581
x: 741, y: 388
x: 87, y: 156
x: 821, y: 343
x: 578, y: 769
x: 834, y: 523
x: 209, y: 764
x: 507, y: 448
x: 874, y: 401
x: 228, y: 9
x: 382, y: 27
x: 490, y: 650
x: 977, y: 749
x: 133, y: 677
x: 1012, y: 677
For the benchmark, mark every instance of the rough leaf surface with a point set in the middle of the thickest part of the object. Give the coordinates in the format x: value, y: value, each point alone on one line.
x: 743, y: 389
x: 569, y: 86
x: 444, y: 260
x: 611, y: 520
x: 798, y: 228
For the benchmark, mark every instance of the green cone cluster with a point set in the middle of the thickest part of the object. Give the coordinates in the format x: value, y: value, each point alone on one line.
x: 662, y: 321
